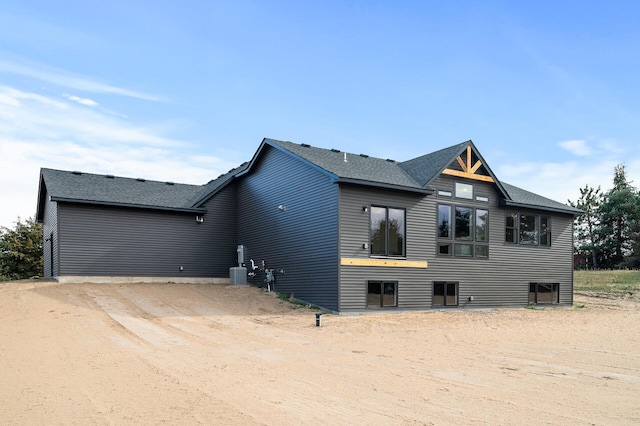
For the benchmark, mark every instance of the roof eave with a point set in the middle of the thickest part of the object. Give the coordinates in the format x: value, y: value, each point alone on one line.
x: 128, y: 205
x: 568, y: 210
x: 203, y: 199
x: 272, y: 143
x: 415, y: 190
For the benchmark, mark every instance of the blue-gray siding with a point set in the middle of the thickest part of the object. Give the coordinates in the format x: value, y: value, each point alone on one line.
x: 500, y: 281
x: 113, y: 241
x: 302, y: 239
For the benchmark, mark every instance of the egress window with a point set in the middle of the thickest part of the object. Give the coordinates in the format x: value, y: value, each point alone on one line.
x: 445, y: 293
x: 543, y: 293
x: 382, y: 294
x: 387, y: 231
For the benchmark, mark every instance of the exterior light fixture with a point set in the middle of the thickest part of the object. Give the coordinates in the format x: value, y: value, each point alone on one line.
x: 365, y: 208
x: 281, y: 207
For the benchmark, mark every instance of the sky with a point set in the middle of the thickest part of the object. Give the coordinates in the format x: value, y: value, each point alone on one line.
x: 185, y: 91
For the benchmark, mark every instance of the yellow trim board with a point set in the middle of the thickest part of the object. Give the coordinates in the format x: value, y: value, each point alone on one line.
x: 467, y: 175
x: 346, y: 261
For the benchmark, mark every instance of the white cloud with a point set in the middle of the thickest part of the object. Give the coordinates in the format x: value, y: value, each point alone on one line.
x: 37, y: 116
x: 577, y: 147
x: 37, y: 131
x: 82, y: 101
x: 66, y: 79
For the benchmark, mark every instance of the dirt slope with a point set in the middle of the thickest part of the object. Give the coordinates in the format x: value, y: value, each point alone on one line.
x: 199, y: 354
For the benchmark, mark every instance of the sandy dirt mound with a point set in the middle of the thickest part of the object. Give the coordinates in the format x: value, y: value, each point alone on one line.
x: 211, y: 354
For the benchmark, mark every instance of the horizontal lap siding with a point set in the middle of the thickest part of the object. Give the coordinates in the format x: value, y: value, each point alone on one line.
x: 112, y: 241
x: 500, y: 281
x: 414, y: 289
x: 503, y: 279
x: 302, y: 239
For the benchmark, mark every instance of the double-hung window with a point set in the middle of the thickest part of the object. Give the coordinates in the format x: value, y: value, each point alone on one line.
x: 388, y: 231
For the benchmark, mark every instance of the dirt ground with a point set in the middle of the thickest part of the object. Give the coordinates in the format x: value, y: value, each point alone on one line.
x: 212, y: 354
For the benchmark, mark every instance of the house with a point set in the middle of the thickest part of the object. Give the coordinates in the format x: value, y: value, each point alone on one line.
x: 346, y: 232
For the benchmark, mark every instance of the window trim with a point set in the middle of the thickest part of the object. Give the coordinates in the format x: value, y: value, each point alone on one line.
x: 444, y: 296
x: 555, y: 288
x: 456, y: 243
x: 382, y: 283
x: 455, y: 190
x: 517, y: 231
x: 386, y: 254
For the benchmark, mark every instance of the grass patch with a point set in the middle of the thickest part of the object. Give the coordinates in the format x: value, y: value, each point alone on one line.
x: 295, y: 304
x: 608, y: 283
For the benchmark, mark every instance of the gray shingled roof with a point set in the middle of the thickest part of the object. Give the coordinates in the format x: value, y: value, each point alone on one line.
x: 413, y: 175
x: 215, y: 185
x: 521, y: 197
x: 356, y: 169
x: 426, y: 167
x: 112, y: 190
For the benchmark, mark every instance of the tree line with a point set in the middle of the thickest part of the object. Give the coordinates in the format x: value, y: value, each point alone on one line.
x: 607, y: 234
x: 21, y: 250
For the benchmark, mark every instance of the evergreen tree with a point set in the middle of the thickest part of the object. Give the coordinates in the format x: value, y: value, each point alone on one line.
x: 620, y: 219
x: 21, y: 250
x: 587, y: 225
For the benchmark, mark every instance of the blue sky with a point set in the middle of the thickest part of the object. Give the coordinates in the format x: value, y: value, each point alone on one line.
x: 184, y: 91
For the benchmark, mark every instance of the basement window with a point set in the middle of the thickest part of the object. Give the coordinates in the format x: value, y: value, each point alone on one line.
x: 445, y: 293
x: 544, y: 293
x: 382, y: 294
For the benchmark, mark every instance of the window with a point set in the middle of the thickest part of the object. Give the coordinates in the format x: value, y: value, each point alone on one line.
x: 382, y: 294
x: 445, y: 293
x: 464, y: 190
x: 464, y: 223
x: 482, y: 225
x: 444, y: 221
x: 387, y: 232
x: 467, y: 235
x: 545, y: 231
x: 527, y: 229
x: 543, y: 293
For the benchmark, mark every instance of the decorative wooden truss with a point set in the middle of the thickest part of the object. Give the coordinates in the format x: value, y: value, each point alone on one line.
x: 468, y: 170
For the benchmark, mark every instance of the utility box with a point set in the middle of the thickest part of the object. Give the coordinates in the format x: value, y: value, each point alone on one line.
x: 238, y: 275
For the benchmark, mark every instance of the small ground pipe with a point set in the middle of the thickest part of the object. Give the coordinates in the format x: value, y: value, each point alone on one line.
x: 318, y: 319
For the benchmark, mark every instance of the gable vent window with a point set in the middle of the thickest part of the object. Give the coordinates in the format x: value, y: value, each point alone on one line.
x: 464, y: 190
